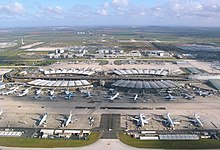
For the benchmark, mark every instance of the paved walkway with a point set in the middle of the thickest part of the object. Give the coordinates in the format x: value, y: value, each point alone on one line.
x: 102, y: 144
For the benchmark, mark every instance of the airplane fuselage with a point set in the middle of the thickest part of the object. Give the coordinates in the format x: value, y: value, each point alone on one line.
x: 141, y: 120
x: 198, y: 121
x: 68, y: 120
x: 1, y: 112
x: 43, y: 119
x: 135, y: 98
x: 24, y: 93
x: 170, y: 121
x: 114, y: 97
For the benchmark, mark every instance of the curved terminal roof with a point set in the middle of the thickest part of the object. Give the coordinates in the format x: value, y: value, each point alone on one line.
x: 69, y: 71
x: 161, y: 72
x: 145, y: 84
x: 59, y: 83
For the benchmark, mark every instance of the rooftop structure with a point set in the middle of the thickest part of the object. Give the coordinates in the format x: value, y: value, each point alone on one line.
x: 60, y: 83
x: 161, y: 72
x: 179, y: 137
x: 70, y: 71
x: 194, y: 70
x: 215, y: 83
x: 145, y: 84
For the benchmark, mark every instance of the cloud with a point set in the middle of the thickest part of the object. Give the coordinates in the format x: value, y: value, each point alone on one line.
x: 103, y: 12
x: 81, y: 11
x: 188, y: 9
x: 120, y: 3
x: 115, y: 7
x: 54, y: 10
x: 12, y: 9
x: 50, y: 12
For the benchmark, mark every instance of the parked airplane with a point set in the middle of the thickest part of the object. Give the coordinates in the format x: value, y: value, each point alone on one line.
x: 1, y: 112
x: 68, y: 120
x: 170, y: 97
x: 196, y: 120
x: 141, y: 120
x: 91, y: 121
x: 187, y: 96
x: 87, y: 94
x: 135, y: 98
x: 112, y: 98
x: 203, y: 93
x: 24, y: 92
x: 43, y: 120
x: 14, y: 90
x: 168, y: 121
x: 51, y: 94
x: 37, y: 94
x: 68, y: 95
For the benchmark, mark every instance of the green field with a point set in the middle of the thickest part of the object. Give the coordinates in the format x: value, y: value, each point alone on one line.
x: 200, y: 144
x: 47, y: 143
x: 169, y: 37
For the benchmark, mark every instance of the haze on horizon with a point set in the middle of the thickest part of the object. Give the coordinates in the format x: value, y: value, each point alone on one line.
x: 34, y: 13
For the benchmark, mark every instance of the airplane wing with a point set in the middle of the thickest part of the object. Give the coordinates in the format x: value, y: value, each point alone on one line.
x: 135, y: 119
x: 176, y: 119
x: 160, y: 119
x: 166, y: 97
x: 147, y: 120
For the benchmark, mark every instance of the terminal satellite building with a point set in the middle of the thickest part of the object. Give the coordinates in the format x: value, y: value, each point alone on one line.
x: 159, y: 72
x: 145, y: 84
x: 60, y: 83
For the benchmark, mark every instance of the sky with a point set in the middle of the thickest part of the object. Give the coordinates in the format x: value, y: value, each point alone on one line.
x: 34, y: 13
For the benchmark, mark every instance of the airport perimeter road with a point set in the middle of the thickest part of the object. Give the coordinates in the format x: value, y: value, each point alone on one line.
x: 102, y: 144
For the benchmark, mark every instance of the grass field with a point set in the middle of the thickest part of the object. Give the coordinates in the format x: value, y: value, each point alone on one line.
x: 47, y: 143
x: 200, y: 144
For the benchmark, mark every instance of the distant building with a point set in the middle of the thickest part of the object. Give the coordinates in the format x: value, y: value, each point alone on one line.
x: 59, y: 51
x: 157, y: 53
x: 2, y: 85
x: 134, y: 54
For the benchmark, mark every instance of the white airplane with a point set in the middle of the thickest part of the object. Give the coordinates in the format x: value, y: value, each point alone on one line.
x: 24, y: 92
x: 43, y: 120
x: 51, y: 94
x: 170, y: 97
x: 168, y: 121
x: 37, y: 94
x: 141, y: 120
x: 196, y: 121
x: 202, y: 93
x: 187, y: 96
x: 1, y: 112
x: 91, y: 121
x: 69, y: 120
x: 87, y: 95
x: 112, y: 98
x: 66, y: 92
x: 135, y: 98
x: 11, y: 91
